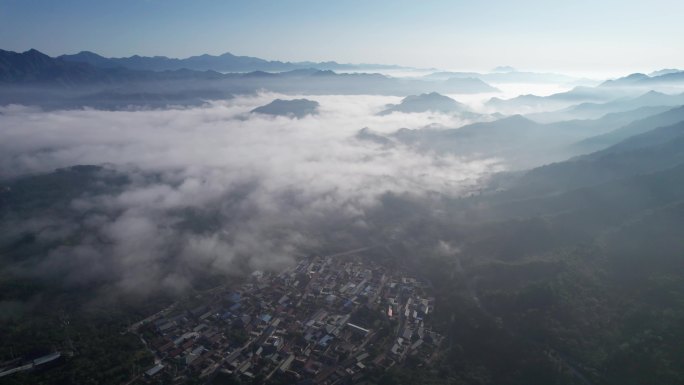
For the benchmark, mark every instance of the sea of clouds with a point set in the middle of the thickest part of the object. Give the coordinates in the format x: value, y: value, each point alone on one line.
x: 261, y: 187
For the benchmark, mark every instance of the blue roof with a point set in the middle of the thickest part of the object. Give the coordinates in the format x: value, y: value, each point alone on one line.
x: 325, y: 340
x: 154, y: 370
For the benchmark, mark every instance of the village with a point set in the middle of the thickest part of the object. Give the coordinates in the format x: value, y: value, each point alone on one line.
x: 327, y: 320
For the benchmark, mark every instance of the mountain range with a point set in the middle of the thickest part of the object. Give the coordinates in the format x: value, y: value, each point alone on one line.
x: 36, y: 68
x: 666, y: 76
x: 521, y: 143
x: 510, y: 75
x: 590, y: 110
x: 637, y: 127
x: 33, y: 78
x: 226, y: 62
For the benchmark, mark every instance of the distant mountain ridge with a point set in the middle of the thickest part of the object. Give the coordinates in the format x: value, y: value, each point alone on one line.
x: 653, y: 150
x: 33, y: 78
x: 638, y: 79
x: 636, y: 127
x: 575, y: 95
x: 504, y: 75
x: 648, y: 99
x: 226, y: 62
x: 35, y: 67
x: 523, y: 143
x: 665, y: 71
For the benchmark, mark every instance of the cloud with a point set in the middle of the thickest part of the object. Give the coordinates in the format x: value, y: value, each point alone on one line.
x: 218, y: 190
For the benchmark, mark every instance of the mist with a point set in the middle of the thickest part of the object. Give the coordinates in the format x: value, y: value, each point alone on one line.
x: 260, y: 188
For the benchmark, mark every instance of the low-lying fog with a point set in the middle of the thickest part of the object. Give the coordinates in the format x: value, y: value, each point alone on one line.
x: 265, y: 183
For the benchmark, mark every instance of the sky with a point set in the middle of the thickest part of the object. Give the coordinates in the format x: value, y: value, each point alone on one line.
x: 570, y: 36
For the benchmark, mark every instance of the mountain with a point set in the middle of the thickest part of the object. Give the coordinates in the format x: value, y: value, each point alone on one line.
x: 226, y: 62
x: 666, y: 118
x: 365, y: 134
x: 117, y: 99
x: 579, y: 245
x: 503, y: 139
x: 576, y: 200
x: 58, y: 83
x: 628, y: 80
x: 521, y: 143
x: 558, y: 100
x: 674, y: 78
x: 518, y: 102
x: 90, y: 58
x: 35, y: 68
x: 662, y: 77
x: 313, y: 81
x: 424, y: 103
x: 627, y: 102
x: 297, y: 108
x: 665, y: 71
x: 504, y: 69
x: 469, y: 85
x: 33, y: 78
x: 510, y: 75
x: 649, y: 99
x: 655, y: 150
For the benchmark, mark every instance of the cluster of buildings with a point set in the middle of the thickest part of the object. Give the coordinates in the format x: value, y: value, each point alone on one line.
x: 327, y: 320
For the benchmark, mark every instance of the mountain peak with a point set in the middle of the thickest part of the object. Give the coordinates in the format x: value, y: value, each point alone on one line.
x: 652, y: 94
x: 33, y: 52
x: 432, y: 101
x: 297, y: 108
x: 635, y: 76
x: 428, y: 96
x: 517, y: 119
x: 626, y: 80
x: 89, y: 54
x: 503, y: 69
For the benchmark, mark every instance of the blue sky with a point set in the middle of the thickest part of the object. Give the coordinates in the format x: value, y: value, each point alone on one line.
x: 573, y: 36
